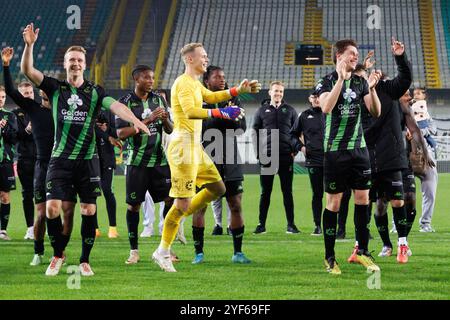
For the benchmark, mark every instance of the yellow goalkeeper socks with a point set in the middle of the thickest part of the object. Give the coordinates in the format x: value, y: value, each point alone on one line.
x: 171, y: 224
x: 174, y: 216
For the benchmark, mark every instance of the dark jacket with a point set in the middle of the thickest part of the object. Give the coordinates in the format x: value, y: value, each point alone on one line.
x: 384, y: 135
x: 282, y: 118
x: 105, y: 149
x: 26, y: 148
x: 8, y: 136
x: 310, y: 123
x: 229, y: 170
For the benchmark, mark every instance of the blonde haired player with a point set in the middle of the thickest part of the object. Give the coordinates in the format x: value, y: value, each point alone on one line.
x: 190, y: 166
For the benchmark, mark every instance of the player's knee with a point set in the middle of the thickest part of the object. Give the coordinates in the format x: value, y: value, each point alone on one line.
x: 235, y: 206
x: 397, y: 203
x: 361, y: 197
x: 182, y: 204
x: 52, y: 210
x: 220, y: 190
x: 4, y: 197
x: 333, y: 202
x: 134, y: 208
x: 87, y: 209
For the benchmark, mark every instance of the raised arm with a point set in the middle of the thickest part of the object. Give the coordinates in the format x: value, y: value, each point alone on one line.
x: 371, y: 99
x: 212, y: 97
x: 11, y: 91
x: 330, y: 96
x: 27, y: 64
x: 396, y: 87
x: 186, y: 99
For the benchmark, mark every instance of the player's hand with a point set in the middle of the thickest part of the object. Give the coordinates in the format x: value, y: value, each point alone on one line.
x: 115, y: 142
x: 29, y: 128
x: 7, y: 54
x: 341, y: 69
x: 397, y: 47
x: 368, y: 62
x: 155, y: 115
x: 408, y: 135
x: 139, y: 126
x: 3, y: 123
x: 30, y: 35
x: 249, y: 86
x: 303, y: 150
x: 229, y: 113
x: 374, y: 77
x: 165, y: 115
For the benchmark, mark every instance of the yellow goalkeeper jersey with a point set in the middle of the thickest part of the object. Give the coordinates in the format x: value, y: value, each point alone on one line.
x: 187, y: 96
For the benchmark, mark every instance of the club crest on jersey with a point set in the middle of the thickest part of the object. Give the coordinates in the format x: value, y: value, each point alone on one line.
x: 349, y: 95
x: 72, y: 114
x: 74, y: 101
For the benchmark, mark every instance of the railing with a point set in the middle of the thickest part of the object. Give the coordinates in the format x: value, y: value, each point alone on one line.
x: 165, y: 42
x: 125, y: 69
x: 100, y: 67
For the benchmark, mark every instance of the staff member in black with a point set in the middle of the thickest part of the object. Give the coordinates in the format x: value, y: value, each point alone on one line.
x: 26, y: 157
x: 387, y: 153
x: 308, y: 133
x: 40, y: 115
x: 8, y: 136
x: 275, y: 114
x: 106, y: 140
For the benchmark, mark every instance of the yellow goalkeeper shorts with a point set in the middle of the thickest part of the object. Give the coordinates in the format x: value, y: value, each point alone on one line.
x: 190, y: 167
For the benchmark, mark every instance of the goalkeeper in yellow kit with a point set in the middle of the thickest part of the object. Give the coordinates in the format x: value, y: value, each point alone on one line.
x: 190, y: 166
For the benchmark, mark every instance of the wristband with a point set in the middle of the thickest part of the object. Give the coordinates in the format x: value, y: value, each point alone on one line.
x: 234, y: 91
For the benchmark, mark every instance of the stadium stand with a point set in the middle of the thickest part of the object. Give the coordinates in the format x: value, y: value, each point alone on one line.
x: 55, y: 36
x: 441, y: 10
x: 153, y: 33
x: 124, y: 43
x: 257, y: 39
x: 53, y: 23
x: 249, y: 40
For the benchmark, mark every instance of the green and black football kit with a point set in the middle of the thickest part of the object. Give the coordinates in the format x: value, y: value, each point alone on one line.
x: 147, y: 166
x: 346, y: 159
x: 74, y: 165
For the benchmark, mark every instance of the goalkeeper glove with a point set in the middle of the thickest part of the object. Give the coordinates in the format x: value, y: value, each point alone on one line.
x: 228, y: 113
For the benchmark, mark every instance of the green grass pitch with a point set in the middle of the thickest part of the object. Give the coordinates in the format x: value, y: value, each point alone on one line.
x: 284, y: 266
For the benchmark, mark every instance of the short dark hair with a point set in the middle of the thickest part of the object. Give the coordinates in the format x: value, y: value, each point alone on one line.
x: 25, y: 84
x: 359, y: 67
x: 137, y: 70
x: 209, y: 71
x: 341, y: 45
